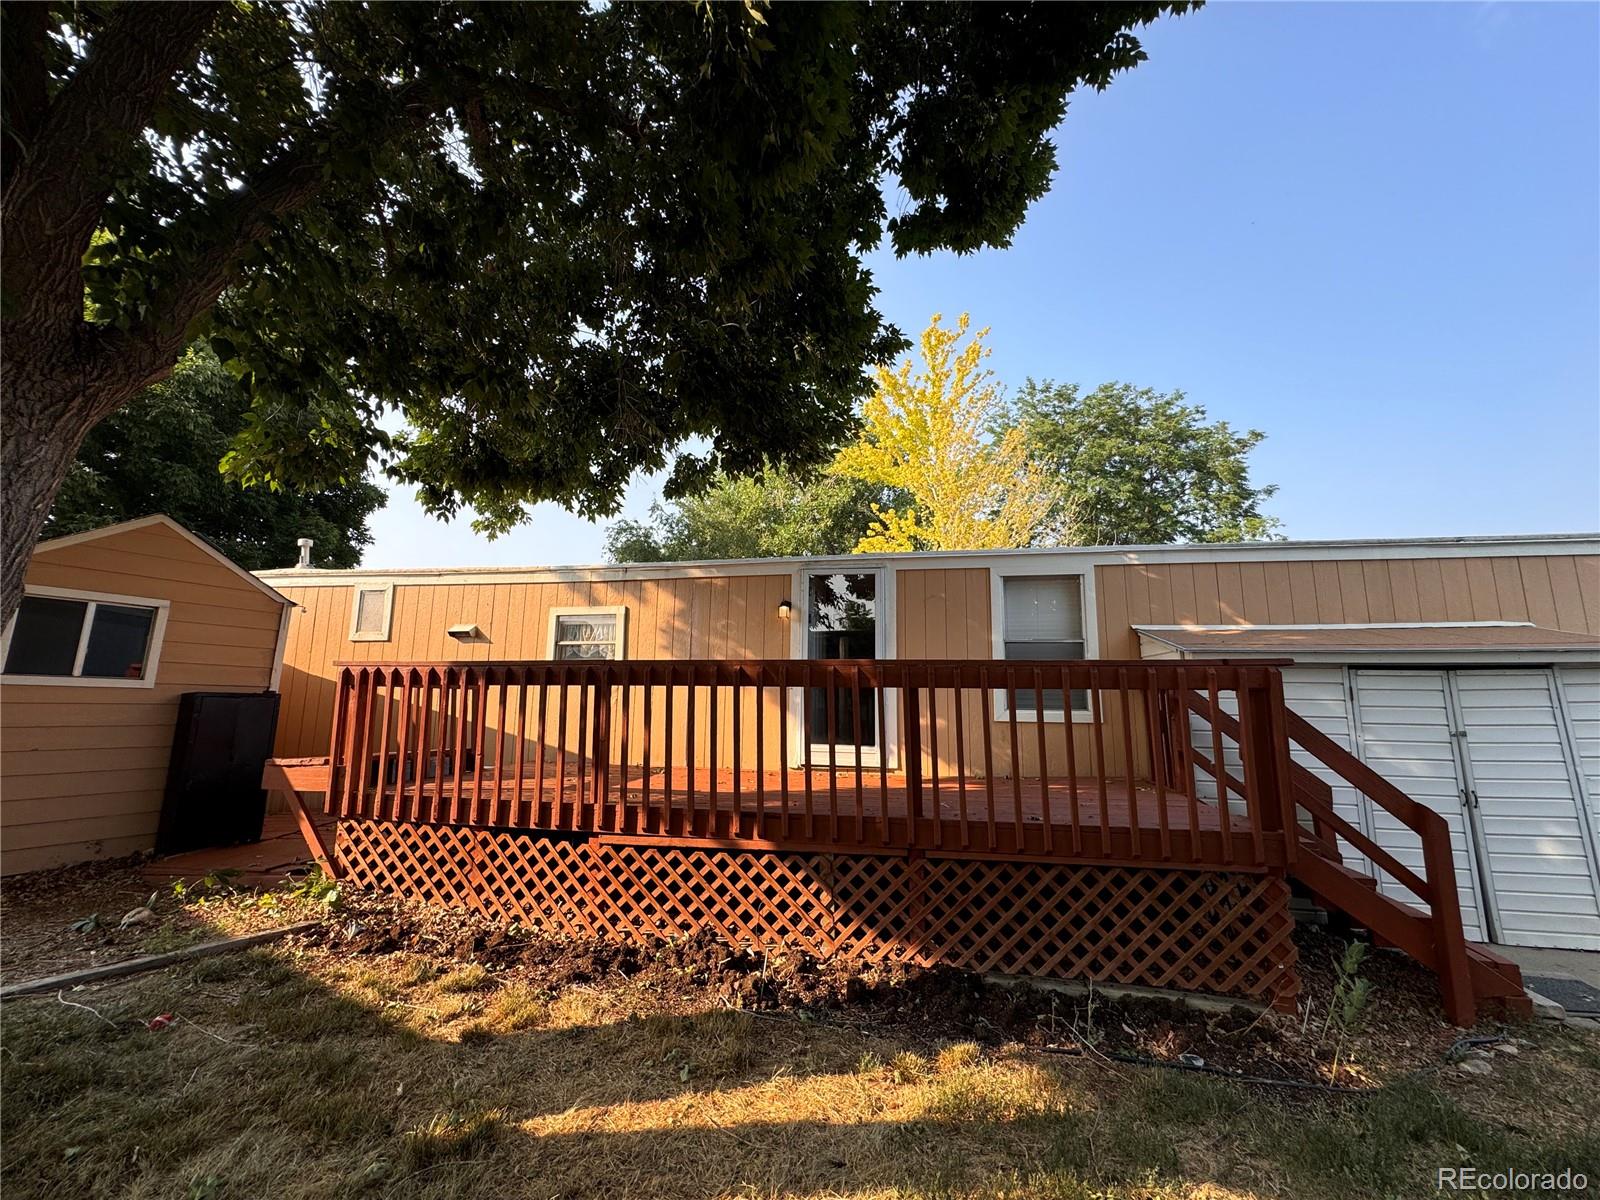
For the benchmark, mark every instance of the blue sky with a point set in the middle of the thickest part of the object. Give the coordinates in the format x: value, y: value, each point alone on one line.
x: 1370, y: 230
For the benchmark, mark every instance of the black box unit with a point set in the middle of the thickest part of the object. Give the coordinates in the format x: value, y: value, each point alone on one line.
x: 214, y: 794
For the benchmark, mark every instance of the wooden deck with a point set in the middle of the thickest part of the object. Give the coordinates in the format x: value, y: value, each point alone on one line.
x: 1085, y: 819
x: 280, y: 852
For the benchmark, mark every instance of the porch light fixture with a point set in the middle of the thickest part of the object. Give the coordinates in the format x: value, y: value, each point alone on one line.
x: 785, y: 610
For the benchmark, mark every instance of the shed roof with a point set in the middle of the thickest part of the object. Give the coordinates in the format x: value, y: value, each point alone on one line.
x: 1499, y: 636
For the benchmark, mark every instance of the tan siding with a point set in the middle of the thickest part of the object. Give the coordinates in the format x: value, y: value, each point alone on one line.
x: 731, y: 617
x: 84, y: 767
x: 1560, y: 591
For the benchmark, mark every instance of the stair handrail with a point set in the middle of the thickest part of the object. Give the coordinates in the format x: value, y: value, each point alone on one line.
x: 1444, y: 904
x: 1436, y: 887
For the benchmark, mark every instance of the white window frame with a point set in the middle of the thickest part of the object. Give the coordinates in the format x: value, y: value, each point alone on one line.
x: 387, y: 588
x: 997, y: 621
x: 617, y: 611
x: 152, y: 663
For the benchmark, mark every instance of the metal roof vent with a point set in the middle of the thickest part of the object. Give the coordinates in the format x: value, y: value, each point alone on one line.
x: 305, y: 545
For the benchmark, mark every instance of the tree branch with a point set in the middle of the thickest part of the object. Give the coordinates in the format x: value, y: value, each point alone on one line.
x: 54, y: 195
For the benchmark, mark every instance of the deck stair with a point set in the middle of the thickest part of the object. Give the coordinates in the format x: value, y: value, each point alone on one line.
x: 1475, y: 981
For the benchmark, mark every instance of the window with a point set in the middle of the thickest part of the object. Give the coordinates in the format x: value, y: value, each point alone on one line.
x: 587, y: 633
x: 84, y: 638
x: 371, y: 610
x: 1043, y: 618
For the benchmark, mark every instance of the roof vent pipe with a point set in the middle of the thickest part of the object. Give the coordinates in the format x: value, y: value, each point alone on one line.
x: 305, y: 551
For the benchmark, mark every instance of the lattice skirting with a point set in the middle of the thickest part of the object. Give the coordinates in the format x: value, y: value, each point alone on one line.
x: 1208, y: 931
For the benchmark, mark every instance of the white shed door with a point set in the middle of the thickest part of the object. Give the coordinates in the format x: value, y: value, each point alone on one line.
x: 1405, y: 735
x: 1527, y: 804
x: 1580, y: 690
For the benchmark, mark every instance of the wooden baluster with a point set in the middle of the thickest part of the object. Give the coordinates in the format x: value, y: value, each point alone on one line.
x: 646, y: 820
x: 832, y: 675
x: 913, y: 749
x: 401, y: 744
x: 1044, y: 762
x: 541, y: 817
x: 1180, y: 727
x: 1220, y: 766
x: 1158, y: 764
x: 668, y: 783
x: 583, y: 750
x: 480, y: 714
x: 360, y: 734
x: 602, y: 749
x: 559, y: 799
x: 1125, y: 703
x: 736, y: 707
x: 1254, y: 748
x: 1019, y: 841
x: 519, y: 817
x: 381, y: 796
x: 691, y: 752
x: 713, y: 753
x: 808, y: 673
x: 783, y: 745
x: 932, y: 674
x: 627, y: 819
x: 855, y: 711
x: 424, y: 736
x: 1288, y: 818
x: 458, y: 741
x: 1071, y: 729
x: 1098, y: 713
x: 881, y: 715
x: 761, y: 752
x: 988, y: 752
x: 961, y: 760
x: 497, y: 814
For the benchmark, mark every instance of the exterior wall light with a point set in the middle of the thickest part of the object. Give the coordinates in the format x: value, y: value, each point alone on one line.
x: 785, y: 610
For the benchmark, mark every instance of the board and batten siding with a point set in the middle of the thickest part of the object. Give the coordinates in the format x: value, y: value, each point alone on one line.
x: 716, y: 617
x: 1558, y: 591
x: 83, y: 768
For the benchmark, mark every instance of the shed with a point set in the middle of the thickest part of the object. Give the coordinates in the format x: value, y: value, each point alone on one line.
x: 116, y: 625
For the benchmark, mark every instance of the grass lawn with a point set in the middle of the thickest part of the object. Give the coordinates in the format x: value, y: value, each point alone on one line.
x: 313, y: 1069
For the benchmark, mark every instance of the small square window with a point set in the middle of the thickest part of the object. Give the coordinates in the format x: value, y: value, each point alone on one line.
x: 587, y: 634
x: 371, y: 612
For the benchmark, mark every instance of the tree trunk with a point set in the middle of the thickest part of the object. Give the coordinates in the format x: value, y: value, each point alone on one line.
x: 52, y: 395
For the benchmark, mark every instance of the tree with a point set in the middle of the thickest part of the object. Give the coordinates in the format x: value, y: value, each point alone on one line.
x: 929, y: 435
x: 161, y: 454
x: 776, y: 515
x: 1141, y: 468
x: 557, y: 240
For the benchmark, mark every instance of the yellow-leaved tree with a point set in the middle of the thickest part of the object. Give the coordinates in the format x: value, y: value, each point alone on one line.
x: 928, y: 433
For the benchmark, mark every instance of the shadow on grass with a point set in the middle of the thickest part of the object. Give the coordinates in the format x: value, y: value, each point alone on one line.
x: 291, y: 1074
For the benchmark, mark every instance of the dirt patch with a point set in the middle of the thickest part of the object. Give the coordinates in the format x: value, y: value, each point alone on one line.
x: 72, y: 917
x: 1398, y: 1030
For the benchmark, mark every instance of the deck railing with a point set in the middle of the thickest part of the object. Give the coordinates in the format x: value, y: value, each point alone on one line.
x: 866, y: 755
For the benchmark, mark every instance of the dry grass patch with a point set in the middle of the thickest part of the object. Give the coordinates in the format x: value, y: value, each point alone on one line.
x: 299, y: 1072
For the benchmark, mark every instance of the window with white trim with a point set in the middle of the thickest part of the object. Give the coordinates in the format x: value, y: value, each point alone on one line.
x: 587, y: 633
x: 60, y: 635
x: 371, y: 612
x: 1043, y: 621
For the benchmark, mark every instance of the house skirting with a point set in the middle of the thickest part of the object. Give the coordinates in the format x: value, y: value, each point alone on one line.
x: 1218, y: 932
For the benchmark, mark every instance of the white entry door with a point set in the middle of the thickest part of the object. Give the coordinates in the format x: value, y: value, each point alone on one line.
x: 843, y: 619
x: 1491, y: 752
